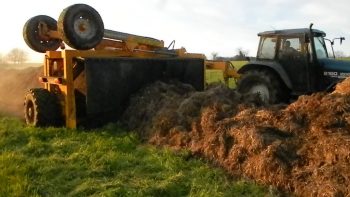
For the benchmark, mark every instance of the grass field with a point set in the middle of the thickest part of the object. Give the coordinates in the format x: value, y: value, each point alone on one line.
x: 103, y: 162
x: 344, y: 58
x: 213, y: 76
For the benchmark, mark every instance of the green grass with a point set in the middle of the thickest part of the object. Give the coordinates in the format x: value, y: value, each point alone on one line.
x: 103, y: 162
x: 344, y: 58
x: 213, y: 76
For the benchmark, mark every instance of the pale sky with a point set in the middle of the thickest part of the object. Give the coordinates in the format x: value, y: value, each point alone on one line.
x: 201, y: 26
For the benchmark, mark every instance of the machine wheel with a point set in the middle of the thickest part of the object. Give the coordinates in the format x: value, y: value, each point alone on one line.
x: 270, y: 89
x: 32, y: 35
x: 81, y: 26
x: 41, y: 108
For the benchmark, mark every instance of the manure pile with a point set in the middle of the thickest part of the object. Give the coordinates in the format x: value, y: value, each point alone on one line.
x: 302, y: 148
x: 14, y: 83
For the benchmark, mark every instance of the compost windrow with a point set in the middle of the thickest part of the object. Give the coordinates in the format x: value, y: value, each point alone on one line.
x: 301, y: 148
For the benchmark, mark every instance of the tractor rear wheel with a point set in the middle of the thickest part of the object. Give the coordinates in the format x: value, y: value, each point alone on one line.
x: 41, y: 108
x: 33, y: 37
x: 81, y: 27
x: 264, y: 83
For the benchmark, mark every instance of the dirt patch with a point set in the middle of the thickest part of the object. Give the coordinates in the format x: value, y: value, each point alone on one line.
x: 14, y: 83
x: 302, y: 148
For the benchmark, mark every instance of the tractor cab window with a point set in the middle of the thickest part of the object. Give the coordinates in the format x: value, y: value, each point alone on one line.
x: 267, y: 48
x: 289, y: 47
x: 320, y: 48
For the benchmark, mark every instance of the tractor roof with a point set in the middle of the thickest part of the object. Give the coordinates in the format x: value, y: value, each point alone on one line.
x: 290, y: 32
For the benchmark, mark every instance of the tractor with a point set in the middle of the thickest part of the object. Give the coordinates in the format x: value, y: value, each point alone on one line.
x: 290, y: 63
x: 91, y: 83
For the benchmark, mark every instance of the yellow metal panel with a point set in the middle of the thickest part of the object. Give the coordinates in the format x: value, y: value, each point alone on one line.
x: 53, y: 54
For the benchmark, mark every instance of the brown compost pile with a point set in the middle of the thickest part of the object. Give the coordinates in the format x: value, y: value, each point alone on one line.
x: 14, y: 83
x: 303, y: 149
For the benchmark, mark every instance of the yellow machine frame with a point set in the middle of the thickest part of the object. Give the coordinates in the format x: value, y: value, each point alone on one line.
x: 65, y: 61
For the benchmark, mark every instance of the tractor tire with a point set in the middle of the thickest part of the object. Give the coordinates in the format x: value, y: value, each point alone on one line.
x: 270, y: 88
x: 34, y: 40
x: 41, y: 108
x: 81, y: 27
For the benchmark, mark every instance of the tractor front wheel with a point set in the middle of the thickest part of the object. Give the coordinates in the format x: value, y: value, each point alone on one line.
x: 41, y: 108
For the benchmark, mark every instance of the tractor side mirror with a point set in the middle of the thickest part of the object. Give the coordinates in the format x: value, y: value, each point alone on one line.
x: 340, y: 38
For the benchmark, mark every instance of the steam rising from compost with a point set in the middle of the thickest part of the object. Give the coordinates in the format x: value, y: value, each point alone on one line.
x: 14, y: 83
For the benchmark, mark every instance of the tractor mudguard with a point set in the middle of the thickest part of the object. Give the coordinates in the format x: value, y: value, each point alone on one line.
x: 273, y: 66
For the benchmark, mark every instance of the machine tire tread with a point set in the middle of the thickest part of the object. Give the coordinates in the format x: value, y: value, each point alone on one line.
x: 46, y: 108
x: 33, y: 40
x: 66, y: 26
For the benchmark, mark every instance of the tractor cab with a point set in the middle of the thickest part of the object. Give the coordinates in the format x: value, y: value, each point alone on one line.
x: 294, y: 52
x: 295, y: 62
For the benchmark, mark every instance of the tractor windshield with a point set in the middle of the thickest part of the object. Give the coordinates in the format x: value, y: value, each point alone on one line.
x: 320, y: 48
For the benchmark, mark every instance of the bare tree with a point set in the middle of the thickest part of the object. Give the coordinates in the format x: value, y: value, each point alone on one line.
x: 241, y: 54
x: 17, y: 56
x: 214, y: 55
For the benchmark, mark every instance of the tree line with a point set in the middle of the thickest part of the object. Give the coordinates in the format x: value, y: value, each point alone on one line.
x: 14, y: 56
x: 242, y: 54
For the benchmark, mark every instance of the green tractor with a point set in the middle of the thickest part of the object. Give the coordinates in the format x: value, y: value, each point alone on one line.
x: 290, y: 63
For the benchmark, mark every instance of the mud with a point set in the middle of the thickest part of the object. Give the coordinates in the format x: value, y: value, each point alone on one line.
x: 302, y: 148
x: 14, y: 83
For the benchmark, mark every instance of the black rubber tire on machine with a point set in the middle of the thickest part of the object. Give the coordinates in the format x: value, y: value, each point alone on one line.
x: 34, y: 40
x: 81, y: 27
x: 270, y: 89
x: 41, y: 108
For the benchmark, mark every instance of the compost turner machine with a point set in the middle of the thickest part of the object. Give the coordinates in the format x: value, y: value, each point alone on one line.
x: 91, y: 83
